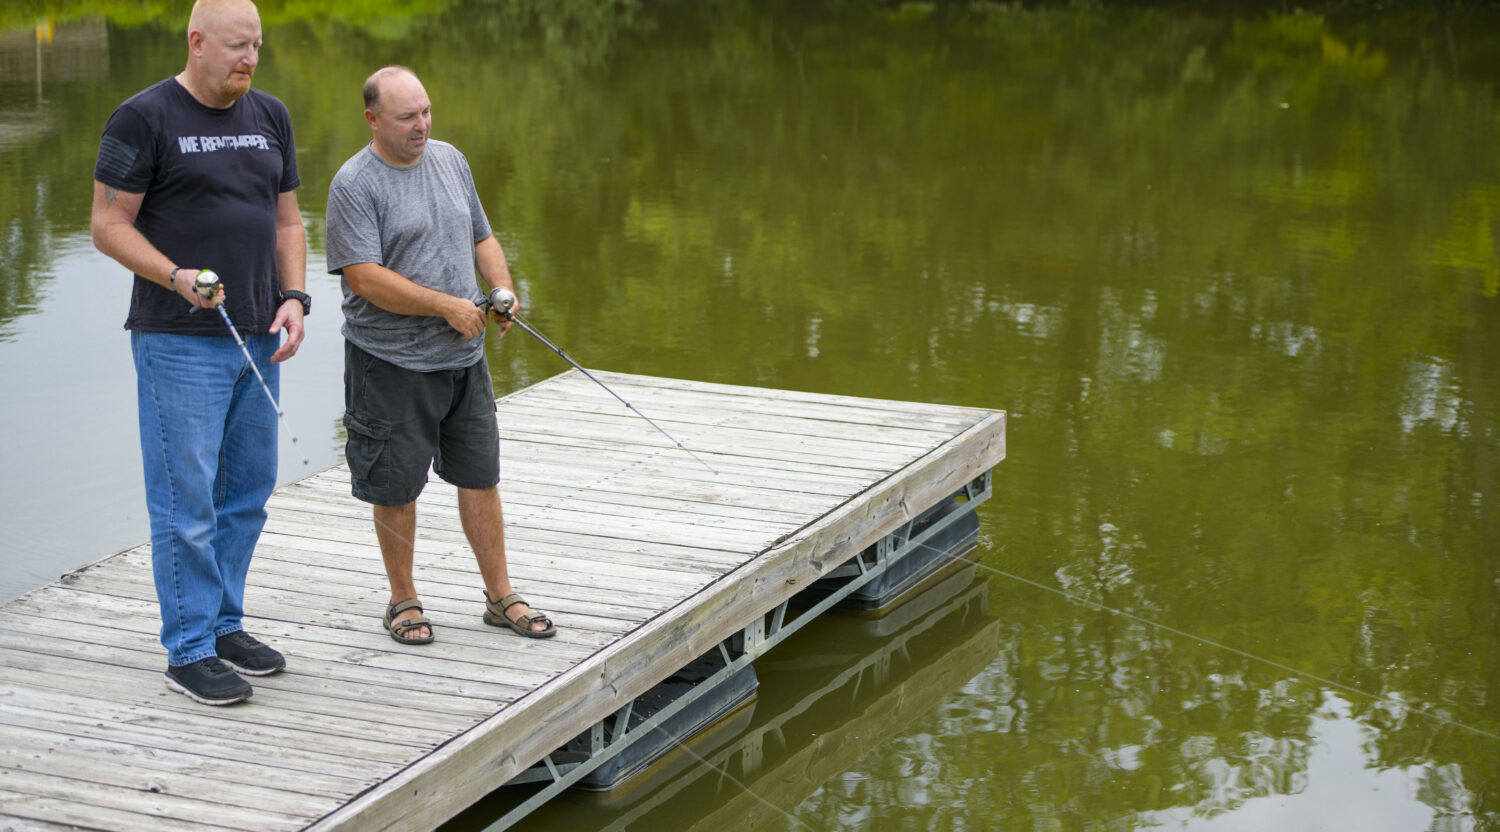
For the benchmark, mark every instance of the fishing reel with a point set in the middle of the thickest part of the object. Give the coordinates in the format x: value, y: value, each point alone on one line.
x: 501, y: 300
x: 207, y: 284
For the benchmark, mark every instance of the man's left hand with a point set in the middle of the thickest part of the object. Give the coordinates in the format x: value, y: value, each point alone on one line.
x: 289, y: 317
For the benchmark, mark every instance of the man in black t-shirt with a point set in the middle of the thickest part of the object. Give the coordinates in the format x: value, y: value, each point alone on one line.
x: 200, y: 171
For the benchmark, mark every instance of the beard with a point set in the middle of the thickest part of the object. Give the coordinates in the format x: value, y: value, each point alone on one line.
x: 234, y: 87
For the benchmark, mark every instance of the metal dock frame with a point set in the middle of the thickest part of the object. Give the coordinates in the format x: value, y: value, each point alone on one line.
x: 611, y: 736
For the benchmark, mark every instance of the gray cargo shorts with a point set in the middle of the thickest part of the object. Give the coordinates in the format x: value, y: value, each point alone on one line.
x: 402, y: 422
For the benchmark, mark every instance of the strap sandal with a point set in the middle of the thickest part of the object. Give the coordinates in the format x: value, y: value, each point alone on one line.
x: 399, y: 629
x: 494, y: 614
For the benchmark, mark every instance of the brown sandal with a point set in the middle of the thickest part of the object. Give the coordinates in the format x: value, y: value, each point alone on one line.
x: 494, y: 614
x: 399, y: 629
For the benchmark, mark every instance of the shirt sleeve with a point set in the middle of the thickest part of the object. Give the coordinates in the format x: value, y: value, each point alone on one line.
x: 477, y: 219
x: 289, y: 178
x: 353, y: 234
x: 127, y: 152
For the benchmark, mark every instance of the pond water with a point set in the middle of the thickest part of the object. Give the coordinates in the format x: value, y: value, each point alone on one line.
x: 1234, y: 277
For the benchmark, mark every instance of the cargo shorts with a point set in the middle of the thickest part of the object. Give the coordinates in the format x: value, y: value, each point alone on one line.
x: 401, y: 423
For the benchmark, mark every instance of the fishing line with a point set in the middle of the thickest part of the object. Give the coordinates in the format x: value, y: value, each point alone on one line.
x: 1439, y: 718
x: 207, y: 285
x: 682, y: 745
x: 501, y: 300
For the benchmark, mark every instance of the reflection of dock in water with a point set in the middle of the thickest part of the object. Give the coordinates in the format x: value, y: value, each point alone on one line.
x: 50, y: 53
x: 44, y: 54
x: 880, y: 695
x: 845, y: 686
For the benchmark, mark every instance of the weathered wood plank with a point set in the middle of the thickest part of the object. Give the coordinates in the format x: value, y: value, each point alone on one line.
x: 276, y: 747
x: 737, y: 399
x: 849, y: 452
x: 429, y: 534
x: 454, y: 579
x: 16, y: 824
x: 696, y: 410
x: 537, y: 497
x: 310, y: 672
x: 772, y: 496
x: 612, y: 493
x: 682, y: 559
x: 287, y: 710
x: 543, y: 458
x: 69, y: 812
x: 28, y: 746
x: 741, y: 480
x: 581, y: 471
x: 141, y: 801
x: 435, y: 515
x: 467, y: 655
x: 437, y: 524
x: 146, y: 769
x: 592, y: 622
x: 587, y: 593
x: 568, y: 566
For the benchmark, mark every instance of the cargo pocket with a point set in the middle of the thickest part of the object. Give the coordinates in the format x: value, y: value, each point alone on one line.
x: 366, y: 446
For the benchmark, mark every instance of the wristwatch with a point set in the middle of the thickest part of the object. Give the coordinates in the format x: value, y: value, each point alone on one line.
x: 304, y: 297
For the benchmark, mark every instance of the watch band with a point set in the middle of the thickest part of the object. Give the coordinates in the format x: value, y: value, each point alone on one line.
x: 301, y: 297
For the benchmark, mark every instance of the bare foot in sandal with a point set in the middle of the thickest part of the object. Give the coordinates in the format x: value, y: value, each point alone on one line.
x: 513, y: 611
x: 406, y: 623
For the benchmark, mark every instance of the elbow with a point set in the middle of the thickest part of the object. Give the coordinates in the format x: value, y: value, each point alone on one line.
x: 99, y: 235
x: 356, y: 280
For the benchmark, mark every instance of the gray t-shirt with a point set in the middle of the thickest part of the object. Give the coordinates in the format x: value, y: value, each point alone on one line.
x: 421, y: 222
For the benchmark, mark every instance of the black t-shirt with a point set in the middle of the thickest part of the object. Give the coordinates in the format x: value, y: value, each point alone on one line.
x: 211, y: 179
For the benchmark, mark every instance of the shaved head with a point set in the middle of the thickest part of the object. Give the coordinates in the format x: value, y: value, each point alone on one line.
x: 207, y: 14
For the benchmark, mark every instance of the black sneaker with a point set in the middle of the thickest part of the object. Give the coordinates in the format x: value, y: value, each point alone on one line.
x: 242, y: 652
x: 209, y: 681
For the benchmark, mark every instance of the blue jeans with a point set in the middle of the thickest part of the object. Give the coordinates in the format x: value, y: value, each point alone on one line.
x: 208, y: 447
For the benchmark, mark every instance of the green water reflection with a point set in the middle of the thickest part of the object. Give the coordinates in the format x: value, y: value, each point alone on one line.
x: 1234, y: 277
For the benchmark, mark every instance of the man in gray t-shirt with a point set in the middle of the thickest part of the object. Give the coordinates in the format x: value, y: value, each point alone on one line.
x: 406, y: 232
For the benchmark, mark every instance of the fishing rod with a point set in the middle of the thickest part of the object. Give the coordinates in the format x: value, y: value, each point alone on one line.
x: 207, y: 285
x: 501, y: 300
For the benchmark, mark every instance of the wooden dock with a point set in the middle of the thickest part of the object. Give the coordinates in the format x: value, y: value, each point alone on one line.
x: 643, y: 557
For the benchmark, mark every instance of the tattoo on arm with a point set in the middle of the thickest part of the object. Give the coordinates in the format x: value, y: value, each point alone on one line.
x: 110, y: 195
